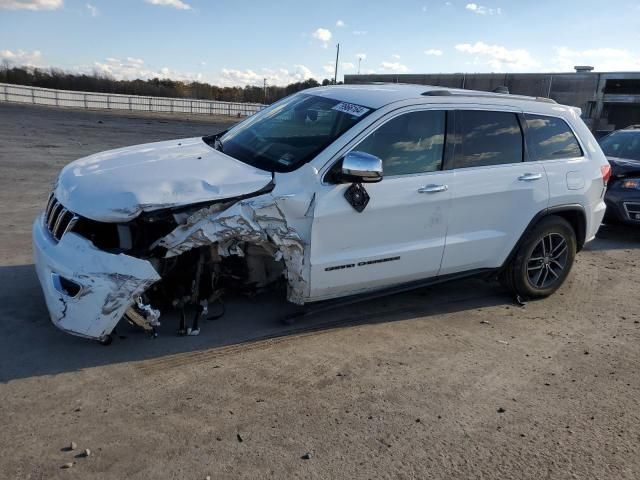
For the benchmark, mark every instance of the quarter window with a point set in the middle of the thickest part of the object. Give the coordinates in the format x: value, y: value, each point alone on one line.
x: 551, y: 138
x: 408, y: 144
x: 487, y: 138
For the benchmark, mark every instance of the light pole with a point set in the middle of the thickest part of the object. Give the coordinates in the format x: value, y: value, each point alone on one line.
x: 335, y: 75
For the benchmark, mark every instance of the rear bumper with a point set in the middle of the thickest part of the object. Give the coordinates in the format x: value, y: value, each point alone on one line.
x: 597, y: 214
x: 87, y: 291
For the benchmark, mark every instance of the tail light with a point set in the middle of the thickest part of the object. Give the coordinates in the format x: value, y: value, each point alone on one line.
x: 606, y: 173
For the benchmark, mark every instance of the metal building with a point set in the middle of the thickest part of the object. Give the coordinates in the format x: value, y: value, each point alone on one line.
x: 609, y: 100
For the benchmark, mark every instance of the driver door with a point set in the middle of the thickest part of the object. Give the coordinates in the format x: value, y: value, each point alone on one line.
x: 400, y: 235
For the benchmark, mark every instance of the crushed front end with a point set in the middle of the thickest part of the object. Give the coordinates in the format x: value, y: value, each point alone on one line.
x: 87, y: 290
x: 93, y: 274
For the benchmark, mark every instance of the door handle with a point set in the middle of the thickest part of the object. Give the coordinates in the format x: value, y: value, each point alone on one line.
x: 433, y: 189
x: 530, y: 177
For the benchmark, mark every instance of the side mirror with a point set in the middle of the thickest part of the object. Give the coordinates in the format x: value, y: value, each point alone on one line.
x: 361, y: 167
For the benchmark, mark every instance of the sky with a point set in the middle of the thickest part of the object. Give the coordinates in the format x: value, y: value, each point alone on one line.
x: 243, y: 42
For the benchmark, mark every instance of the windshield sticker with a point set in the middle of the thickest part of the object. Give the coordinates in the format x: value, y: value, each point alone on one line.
x: 286, y: 159
x: 351, y: 109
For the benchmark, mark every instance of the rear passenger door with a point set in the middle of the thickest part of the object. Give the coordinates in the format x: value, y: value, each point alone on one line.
x: 495, y: 193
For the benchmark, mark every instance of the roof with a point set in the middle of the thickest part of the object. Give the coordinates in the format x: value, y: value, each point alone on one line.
x: 372, y: 96
x: 381, y: 94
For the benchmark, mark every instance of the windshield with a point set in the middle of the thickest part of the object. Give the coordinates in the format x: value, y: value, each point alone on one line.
x: 622, y: 145
x: 291, y: 132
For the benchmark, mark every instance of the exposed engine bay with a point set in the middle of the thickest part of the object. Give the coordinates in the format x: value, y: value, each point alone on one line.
x: 200, y: 277
x: 199, y: 252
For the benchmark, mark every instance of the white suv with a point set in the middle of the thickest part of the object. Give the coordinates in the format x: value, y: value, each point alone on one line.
x: 335, y: 191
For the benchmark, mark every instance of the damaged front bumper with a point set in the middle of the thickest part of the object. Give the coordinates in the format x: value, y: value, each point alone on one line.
x: 87, y: 290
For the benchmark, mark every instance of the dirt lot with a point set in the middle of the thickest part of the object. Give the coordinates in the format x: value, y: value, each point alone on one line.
x: 411, y: 386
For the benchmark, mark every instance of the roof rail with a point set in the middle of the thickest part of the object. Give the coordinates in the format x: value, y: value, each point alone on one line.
x: 633, y: 127
x: 474, y: 93
x: 437, y: 93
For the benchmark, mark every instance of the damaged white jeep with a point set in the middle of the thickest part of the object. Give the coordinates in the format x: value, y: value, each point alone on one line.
x: 337, y: 191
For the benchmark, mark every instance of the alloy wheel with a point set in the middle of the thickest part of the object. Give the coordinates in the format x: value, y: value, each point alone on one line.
x: 547, y: 261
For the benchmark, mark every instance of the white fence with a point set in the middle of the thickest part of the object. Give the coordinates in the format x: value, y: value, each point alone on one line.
x: 112, y: 101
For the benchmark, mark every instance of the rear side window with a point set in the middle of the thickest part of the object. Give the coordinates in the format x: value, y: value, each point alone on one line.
x: 487, y: 138
x: 408, y: 144
x: 551, y: 138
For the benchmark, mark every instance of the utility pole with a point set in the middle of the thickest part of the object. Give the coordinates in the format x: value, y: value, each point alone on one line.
x: 264, y: 87
x: 335, y: 75
x: 359, y: 62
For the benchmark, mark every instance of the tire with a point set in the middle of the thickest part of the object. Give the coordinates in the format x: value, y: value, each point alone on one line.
x: 543, y: 260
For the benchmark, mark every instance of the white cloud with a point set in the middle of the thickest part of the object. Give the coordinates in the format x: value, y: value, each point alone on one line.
x: 179, y: 4
x: 230, y: 77
x: 21, y: 58
x: 323, y: 35
x: 135, y: 68
x: 394, y: 67
x: 360, y: 32
x: 347, y: 66
x: 482, y: 10
x: 395, y: 56
x: 329, y: 67
x: 135, y: 61
x: 361, y: 56
x: 433, y: 52
x: 93, y: 10
x: 340, y: 23
x: 603, y: 59
x: 30, y: 4
x: 498, y: 57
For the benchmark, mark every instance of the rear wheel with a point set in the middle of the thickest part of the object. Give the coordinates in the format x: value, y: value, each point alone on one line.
x: 543, y: 259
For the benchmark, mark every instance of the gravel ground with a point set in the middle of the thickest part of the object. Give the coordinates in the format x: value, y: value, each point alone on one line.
x: 453, y: 381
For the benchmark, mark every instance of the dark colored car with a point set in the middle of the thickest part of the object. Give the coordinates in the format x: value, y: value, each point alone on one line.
x: 622, y: 149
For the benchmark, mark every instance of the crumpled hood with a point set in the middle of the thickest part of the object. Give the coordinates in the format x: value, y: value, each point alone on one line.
x: 117, y: 185
x: 622, y: 167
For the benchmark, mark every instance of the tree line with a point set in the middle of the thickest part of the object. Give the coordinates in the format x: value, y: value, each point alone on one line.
x: 155, y: 87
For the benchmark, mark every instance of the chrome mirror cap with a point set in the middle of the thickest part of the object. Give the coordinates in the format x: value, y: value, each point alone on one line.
x: 362, y: 167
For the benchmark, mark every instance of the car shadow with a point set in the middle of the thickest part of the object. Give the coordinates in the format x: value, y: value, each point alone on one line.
x: 30, y: 345
x: 616, y: 237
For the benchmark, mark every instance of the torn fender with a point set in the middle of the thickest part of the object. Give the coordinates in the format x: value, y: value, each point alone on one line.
x: 257, y: 220
x: 108, y: 283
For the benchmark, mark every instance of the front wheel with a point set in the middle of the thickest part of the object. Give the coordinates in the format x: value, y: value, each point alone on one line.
x: 543, y: 260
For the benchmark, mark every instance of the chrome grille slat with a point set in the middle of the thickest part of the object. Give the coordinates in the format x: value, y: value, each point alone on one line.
x: 49, y: 206
x: 70, y: 225
x: 58, y: 219
x: 56, y: 225
x: 53, y: 215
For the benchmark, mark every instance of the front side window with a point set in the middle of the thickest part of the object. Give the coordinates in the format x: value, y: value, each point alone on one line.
x: 551, y: 138
x: 409, y: 143
x: 487, y: 138
x: 622, y: 145
x: 291, y: 132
